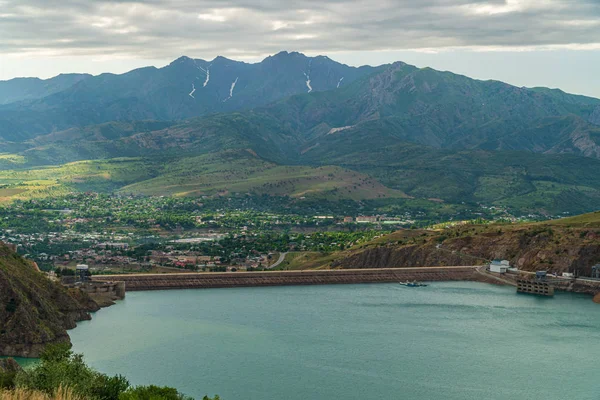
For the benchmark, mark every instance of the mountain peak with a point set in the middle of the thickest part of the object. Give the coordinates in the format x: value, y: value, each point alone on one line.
x: 285, y: 54
x: 180, y: 60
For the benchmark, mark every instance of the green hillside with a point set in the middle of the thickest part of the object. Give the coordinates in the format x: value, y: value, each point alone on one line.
x: 218, y: 173
x: 244, y: 172
x: 103, y: 176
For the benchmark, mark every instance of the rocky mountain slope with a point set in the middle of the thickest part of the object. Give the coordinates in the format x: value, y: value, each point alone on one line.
x: 568, y: 245
x: 34, y: 311
x: 390, y: 105
x: 185, y: 88
x: 427, y: 133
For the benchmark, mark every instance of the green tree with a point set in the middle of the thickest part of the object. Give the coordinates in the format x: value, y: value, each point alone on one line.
x: 152, y: 393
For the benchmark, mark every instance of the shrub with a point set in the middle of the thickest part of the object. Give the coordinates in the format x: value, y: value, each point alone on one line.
x: 152, y: 393
x: 60, y: 368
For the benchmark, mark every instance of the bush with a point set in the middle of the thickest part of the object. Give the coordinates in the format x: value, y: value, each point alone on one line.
x: 109, y: 387
x: 11, y: 306
x: 60, y: 368
x: 152, y: 393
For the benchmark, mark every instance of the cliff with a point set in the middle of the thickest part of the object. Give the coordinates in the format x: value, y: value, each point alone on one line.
x: 557, y: 246
x: 34, y: 311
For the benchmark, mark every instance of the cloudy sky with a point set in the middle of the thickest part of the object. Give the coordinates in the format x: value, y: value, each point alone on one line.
x: 525, y: 42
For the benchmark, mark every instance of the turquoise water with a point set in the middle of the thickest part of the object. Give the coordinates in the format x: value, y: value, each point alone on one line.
x: 459, y: 340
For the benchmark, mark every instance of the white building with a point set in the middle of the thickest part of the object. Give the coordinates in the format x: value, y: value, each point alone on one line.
x: 499, y: 266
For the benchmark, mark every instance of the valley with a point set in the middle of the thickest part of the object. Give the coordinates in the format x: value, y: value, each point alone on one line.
x: 237, y: 163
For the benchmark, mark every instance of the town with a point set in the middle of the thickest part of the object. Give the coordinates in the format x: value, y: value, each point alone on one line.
x: 125, y: 234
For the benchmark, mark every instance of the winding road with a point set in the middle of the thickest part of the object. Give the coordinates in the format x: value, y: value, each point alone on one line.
x: 279, y: 261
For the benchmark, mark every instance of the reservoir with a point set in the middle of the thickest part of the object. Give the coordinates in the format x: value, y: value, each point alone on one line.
x: 450, y: 340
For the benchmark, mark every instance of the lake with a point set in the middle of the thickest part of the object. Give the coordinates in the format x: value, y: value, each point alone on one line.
x: 450, y: 340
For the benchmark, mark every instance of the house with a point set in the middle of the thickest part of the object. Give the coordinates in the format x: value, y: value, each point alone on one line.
x: 499, y: 266
x: 541, y: 275
x: 113, y: 245
x: 348, y: 220
x: 366, y: 219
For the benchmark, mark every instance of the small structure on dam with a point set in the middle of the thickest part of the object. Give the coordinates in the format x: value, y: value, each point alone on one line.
x: 82, y: 273
x: 539, y: 287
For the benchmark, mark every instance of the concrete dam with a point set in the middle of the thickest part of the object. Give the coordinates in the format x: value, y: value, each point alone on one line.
x: 205, y: 280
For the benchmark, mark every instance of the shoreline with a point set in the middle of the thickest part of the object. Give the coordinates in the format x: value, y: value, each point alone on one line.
x: 321, y: 278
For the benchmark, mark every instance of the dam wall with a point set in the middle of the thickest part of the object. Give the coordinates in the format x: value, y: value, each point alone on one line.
x: 137, y: 282
x: 103, y: 292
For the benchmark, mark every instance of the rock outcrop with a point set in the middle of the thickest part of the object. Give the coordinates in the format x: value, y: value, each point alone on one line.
x: 34, y: 311
x: 9, y: 365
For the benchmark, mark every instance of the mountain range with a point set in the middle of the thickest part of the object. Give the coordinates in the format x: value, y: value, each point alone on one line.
x: 417, y: 131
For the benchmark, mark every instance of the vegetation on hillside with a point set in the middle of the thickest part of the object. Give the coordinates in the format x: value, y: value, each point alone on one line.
x: 213, y: 174
x: 244, y: 172
x: 63, y: 375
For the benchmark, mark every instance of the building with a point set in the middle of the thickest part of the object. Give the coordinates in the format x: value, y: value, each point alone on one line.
x: 366, y: 219
x: 348, y: 220
x: 499, y: 266
x: 82, y: 272
x: 113, y: 245
x: 541, y: 275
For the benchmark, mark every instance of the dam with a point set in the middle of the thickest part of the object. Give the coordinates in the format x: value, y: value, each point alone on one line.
x: 205, y: 280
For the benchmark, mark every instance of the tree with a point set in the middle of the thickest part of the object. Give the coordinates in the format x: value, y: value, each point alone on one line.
x: 152, y: 393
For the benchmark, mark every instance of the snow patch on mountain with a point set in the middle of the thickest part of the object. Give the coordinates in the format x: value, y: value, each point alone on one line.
x: 307, y: 75
x: 207, y: 76
x: 231, y: 89
x: 342, y: 128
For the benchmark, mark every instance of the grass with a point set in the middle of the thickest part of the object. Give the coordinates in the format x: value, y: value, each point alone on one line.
x: 101, y: 175
x: 591, y: 220
x: 16, y: 159
x: 240, y: 171
x: 298, y: 260
x: 243, y: 172
x: 25, y: 394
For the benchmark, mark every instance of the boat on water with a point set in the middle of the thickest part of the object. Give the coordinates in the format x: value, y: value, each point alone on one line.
x: 413, y: 284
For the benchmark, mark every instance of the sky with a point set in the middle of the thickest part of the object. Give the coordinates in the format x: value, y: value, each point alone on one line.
x: 553, y: 43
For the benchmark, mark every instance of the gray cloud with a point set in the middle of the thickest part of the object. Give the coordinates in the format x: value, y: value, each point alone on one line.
x: 250, y: 28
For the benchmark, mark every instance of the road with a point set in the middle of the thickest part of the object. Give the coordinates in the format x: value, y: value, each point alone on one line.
x: 295, y: 272
x: 279, y: 261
